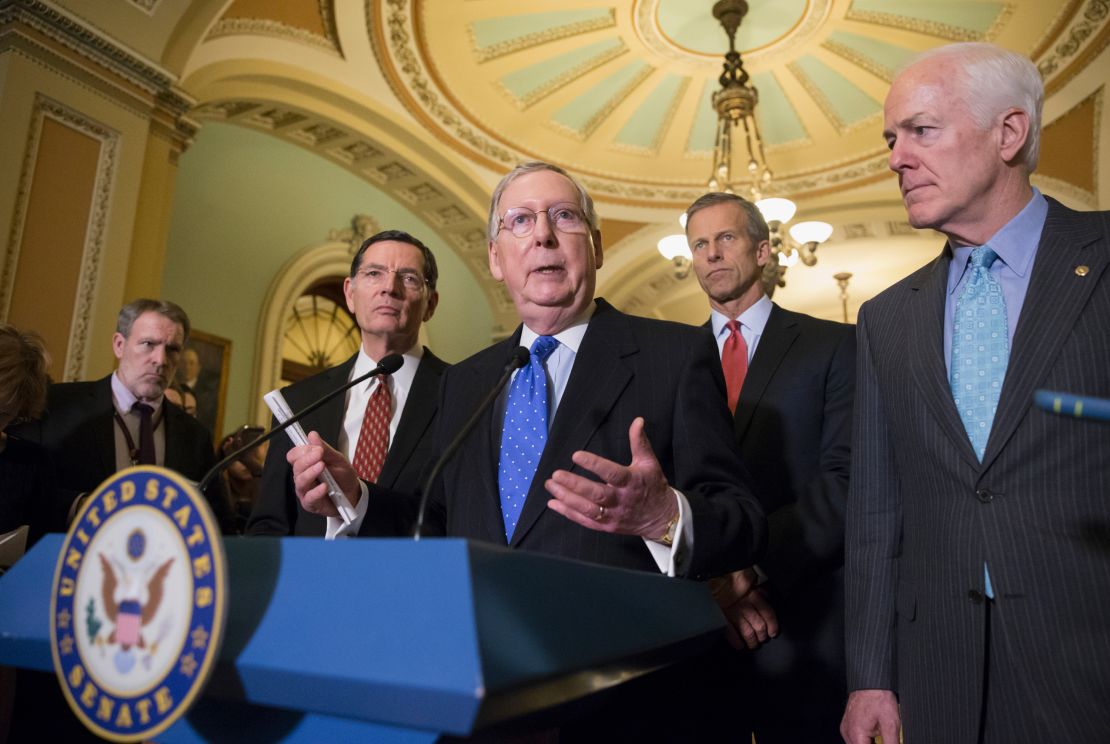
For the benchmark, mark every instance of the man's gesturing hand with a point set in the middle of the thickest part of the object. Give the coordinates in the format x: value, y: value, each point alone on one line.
x: 632, y: 499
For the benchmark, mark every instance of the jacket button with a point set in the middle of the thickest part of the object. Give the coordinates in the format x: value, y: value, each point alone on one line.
x: 975, y: 596
x: 984, y: 495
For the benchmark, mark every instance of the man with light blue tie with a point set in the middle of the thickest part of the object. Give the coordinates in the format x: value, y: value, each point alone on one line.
x: 613, y: 445
x: 978, y: 528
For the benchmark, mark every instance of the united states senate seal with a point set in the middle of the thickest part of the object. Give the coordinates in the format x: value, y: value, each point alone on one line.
x: 138, y: 604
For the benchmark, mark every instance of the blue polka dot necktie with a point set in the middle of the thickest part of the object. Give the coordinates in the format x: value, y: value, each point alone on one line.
x: 980, y: 349
x: 524, y: 432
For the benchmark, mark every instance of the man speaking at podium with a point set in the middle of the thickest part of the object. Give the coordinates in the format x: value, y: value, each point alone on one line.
x: 612, y: 445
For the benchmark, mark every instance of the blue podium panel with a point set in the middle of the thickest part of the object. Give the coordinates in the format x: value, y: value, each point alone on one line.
x: 381, y: 630
x: 398, y: 640
x: 25, y: 607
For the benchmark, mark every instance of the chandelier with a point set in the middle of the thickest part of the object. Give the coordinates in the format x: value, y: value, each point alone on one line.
x: 735, y: 104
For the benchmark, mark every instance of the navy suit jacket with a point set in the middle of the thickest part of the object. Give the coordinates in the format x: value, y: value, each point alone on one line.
x: 793, y: 428
x: 626, y: 367
x: 925, y: 514
x: 78, y: 429
x: 278, y: 511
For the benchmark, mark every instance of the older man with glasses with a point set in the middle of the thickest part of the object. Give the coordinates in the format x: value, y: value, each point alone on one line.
x: 383, y: 426
x: 613, y: 444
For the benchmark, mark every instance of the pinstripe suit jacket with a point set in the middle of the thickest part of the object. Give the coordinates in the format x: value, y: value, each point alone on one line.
x: 626, y: 367
x: 924, y: 514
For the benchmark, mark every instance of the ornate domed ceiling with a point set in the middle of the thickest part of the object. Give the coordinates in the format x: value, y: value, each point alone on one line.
x: 619, y: 92
x: 431, y: 101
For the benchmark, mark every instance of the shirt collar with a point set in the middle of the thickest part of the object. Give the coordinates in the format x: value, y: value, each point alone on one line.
x: 402, y: 377
x: 1016, y: 243
x: 570, y: 337
x: 754, y: 318
x: 125, y: 400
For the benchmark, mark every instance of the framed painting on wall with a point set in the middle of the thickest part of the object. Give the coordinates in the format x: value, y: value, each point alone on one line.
x: 203, y: 369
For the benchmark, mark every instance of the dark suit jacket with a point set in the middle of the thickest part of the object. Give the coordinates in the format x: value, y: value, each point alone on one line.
x: 793, y: 427
x: 924, y: 514
x: 278, y: 511
x: 78, y: 429
x: 626, y: 367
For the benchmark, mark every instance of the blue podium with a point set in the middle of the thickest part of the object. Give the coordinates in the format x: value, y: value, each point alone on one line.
x: 401, y: 641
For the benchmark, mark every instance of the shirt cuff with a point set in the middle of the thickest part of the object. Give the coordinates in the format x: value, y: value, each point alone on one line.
x: 671, y: 559
x: 336, y: 528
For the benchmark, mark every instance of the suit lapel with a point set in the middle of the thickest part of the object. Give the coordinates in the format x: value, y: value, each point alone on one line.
x: 596, y: 382
x: 1053, y: 302
x: 778, y: 336
x: 329, y: 418
x: 420, y: 409
x: 172, y: 421
x: 925, y: 352
x: 485, y: 454
x: 103, y: 429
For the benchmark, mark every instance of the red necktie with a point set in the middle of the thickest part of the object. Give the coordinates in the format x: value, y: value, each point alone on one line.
x: 373, y: 437
x: 734, y: 363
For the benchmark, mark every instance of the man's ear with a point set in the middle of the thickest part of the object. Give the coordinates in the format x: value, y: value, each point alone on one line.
x: 1015, y: 133
x: 118, y: 342
x: 598, y: 253
x: 348, y: 294
x: 433, y: 302
x: 494, y: 263
x: 763, y: 253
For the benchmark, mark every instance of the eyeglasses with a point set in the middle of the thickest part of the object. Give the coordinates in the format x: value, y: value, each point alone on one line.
x: 377, y: 276
x: 566, y: 218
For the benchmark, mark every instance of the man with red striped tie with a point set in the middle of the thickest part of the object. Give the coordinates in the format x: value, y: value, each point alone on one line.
x: 790, y: 382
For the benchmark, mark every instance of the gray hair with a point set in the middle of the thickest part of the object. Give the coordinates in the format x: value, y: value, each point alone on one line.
x: 755, y: 226
x: 992, y: 80
x: 585, y: 201
x: 132, y: 310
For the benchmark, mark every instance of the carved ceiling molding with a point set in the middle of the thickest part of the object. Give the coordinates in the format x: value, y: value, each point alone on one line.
x: 645, y: 22
x: 455, y: 224
x: 940, y: 30
x: 484, y: 54
x: 1083, y: 39
x: 89, y: 275
x: 71, y: 33
x: 276, y: 29
x: 117, y: 73
x: 390, y: 25
x: 860, y: 60
x: 362, y: 227
x: 389, y: 28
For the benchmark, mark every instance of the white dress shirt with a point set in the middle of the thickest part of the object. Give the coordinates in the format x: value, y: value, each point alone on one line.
x: 400, y: 383
x: 752, y: 322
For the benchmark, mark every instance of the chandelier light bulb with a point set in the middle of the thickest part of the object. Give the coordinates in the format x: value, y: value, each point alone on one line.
x: 674, y: 246
x: 776, y: 209
x: 811, y: 232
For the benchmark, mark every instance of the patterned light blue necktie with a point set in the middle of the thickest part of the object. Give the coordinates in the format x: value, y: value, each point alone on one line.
x: 980, y: 349
x: 524, y: 432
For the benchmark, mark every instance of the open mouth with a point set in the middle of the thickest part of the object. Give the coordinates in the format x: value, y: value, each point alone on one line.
x: 549, y: 270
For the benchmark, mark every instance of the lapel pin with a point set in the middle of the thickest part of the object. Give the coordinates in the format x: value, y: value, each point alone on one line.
x: 1082, y: 270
